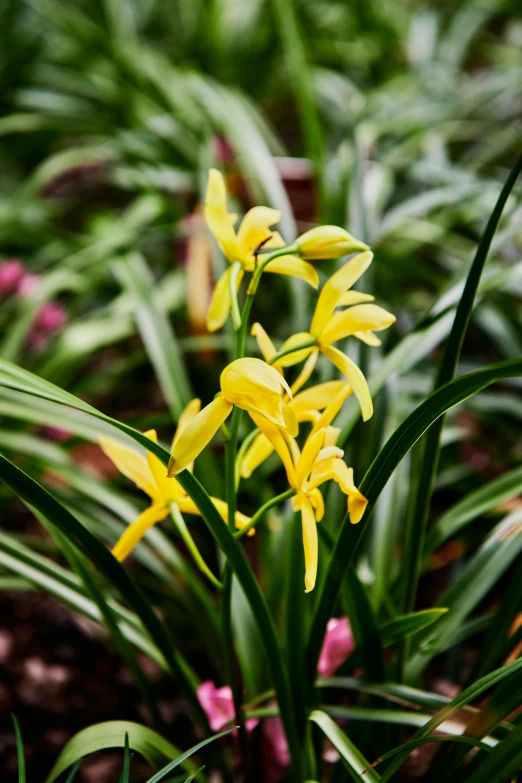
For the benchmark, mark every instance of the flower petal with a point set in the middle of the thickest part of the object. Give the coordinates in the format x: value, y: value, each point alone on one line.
x: 313, y: 445
x: 132, y: 464
x: 189, y: 412
x: 295, y: 267
x: 359, y: 318
x: 306, y: 372
x: 220, y: 303
x: 336, y: 286
x: 298, y: 356
x: 275, y: 437
x: 198, y: 434
x: 168, y: 488
x: 255, y: 229
x: 369, y: 338
x: 331, y: 410
x: 135, y: 531
x: 266, y: 346
x: 217, y: 216
x: 335, y: 469
x: 355, y: 377
x: 258, y: 452
x: 187, y: 506
x: 318, y: 397
x: 354, y: 297
x: 310, y: 543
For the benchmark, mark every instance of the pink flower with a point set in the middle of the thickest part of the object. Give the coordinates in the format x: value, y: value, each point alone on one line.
x: 276, y: 755
x: 337, y: 646
x: 51, y: 318
x: 27, y: 285
x: 11, y: 272
x: 219, y: 706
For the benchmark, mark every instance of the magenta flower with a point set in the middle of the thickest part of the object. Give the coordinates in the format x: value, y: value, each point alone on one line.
x: 337, y: 646
x: 51, y: 318
x: 219, y: 706
x: 26, y: 285
x: 11, y: 272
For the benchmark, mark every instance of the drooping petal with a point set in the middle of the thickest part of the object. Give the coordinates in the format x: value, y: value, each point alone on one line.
x: 355, y: 378
x: 331, y: 410
x: 294, y: 267
x: 354, y: 297
x: 317, y: 397
x: 255, y: 230
x: 198, y: 434
x: 306, y: 372
x: 317, y: 501
x: 168, y: 488
x: 336, y: 286
x: 132, y: 464
x: 359, y: 318
x: 266, y: 346
x: 335, y: 469
x: 220, y: 303
x: 369, y: 338
x: 187, y: 506
x: 135, y: 531
x: 328, y: 242
x: 311, y: 449
x: 310, y: 543
x: 258, y: 452
x: 275, y: 437
x: 217, y: 216
x: 189, y: 412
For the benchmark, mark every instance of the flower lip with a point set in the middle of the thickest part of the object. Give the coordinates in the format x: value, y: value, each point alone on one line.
x: 328, y: 242
x: 251, y: 378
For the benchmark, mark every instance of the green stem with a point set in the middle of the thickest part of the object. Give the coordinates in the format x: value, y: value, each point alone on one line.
x: 189, y: 542
x: 261, y: 511
x: 311, y: 343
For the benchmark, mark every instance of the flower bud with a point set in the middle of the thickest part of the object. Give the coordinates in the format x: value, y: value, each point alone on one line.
x: 255, y: 386
x: 327, y: 242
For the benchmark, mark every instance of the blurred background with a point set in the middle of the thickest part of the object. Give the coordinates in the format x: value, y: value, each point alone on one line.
x: 396, y: 119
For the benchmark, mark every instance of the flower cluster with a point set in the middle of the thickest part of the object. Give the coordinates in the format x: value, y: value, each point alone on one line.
x: 295, y: 422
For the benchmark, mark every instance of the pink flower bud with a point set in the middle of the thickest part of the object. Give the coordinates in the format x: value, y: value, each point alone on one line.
x: 11, y: 272
x: 219, y: 706
x: 337, y: 646
x: 51, y: 318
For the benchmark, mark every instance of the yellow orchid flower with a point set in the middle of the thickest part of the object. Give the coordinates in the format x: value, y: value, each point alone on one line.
x: 148, y: 473
x: 253, y: 233
x: 359, y: 319
x: 250, y: 384
x: 327, y: 242
x: 307, y: 470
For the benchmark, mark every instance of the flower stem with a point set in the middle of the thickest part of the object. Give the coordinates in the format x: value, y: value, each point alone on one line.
x: 261, y: 511
x: 191, y: 544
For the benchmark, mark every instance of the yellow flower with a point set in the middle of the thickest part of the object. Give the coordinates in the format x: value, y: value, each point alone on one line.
x: 253, y: 233
x: 358, y: 319
x: 318, y: 462
x: 327, y: 242
x: 250, y: 384
x: 148, y: 473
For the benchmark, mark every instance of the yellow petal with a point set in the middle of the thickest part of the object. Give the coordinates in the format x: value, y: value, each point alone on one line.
x: 328, y: 242
x: 332, y: 433
x: 359, y: 318
x: 313, y: 445
x: 187, y: 506
x: 353, y: 298
x: 255, y: 386
x: 168, y: 489
x: 266, y: 346
x: 336, y: 286
x: 198, y: 434
x: 188, y: 413
x: 331, y: 410
x: 317, y: 501
x: 298, y: 356
x: 220, y: 302
x: 310, y: 543
x: 295, y: 267
x: 369, y: 338
x: 255, y: 230
x: 291, y: 424
x: 135, y: 532
x: 217, y: 216
x: 335, y: 469
x: 275, y: 437
x: 258, y: 452
x: 315, y: 398
x: 306, y: 372
x: 133, y: 465
x: 355, y: 378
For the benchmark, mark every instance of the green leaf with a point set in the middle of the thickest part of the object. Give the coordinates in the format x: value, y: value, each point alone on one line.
x: 156, y: 332
x: 377, y: 476
x: 412, y: 744
x: 35, y: 495
x: 365, y: 628
x: 503, y: 763
x: 409, y: 624
x: 112, y: 734
x: 351, y: 756
x: 472, y: 506
x: 124, y: 777
x: 173, y: 764
x: 19, y: 750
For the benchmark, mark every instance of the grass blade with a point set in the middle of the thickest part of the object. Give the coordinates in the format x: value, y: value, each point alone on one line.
x: 173, y: 764
x: 503, y: 763
x: 351, y: 756
x: 19, y: 750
